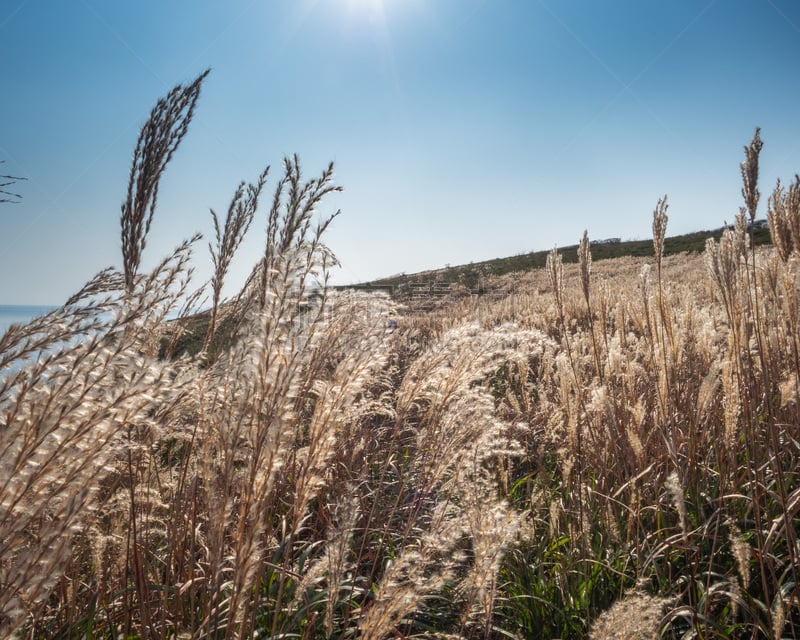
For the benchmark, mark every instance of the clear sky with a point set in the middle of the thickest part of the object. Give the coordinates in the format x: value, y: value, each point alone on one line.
x: 462, y: 130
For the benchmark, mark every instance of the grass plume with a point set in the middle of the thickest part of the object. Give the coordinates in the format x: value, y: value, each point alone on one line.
x: 605, y: 449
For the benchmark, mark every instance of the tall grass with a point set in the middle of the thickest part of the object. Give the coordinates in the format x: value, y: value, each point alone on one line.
x: 604, y: 450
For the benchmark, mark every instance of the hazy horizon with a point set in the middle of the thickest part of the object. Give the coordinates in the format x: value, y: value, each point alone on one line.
x: 461, y: 130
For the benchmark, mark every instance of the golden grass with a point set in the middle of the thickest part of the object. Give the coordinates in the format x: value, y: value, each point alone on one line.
x: 506, y: 466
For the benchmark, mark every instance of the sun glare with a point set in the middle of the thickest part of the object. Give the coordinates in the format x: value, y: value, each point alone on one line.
x: 370, y: 7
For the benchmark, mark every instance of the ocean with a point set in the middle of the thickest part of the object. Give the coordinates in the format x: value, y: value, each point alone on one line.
x: 15, y: 314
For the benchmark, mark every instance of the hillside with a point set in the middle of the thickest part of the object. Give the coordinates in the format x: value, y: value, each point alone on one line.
x: 473, y: 275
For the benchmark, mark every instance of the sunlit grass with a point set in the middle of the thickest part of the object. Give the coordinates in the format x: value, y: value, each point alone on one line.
x: 605, y: 449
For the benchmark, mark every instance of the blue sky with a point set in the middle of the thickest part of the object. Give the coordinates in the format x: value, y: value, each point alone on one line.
x: 462, y: 130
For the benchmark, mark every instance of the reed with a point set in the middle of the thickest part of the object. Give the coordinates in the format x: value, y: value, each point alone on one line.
x: 606, y: 449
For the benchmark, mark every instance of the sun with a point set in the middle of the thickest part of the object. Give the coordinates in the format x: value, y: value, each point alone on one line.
x: 372, y: 7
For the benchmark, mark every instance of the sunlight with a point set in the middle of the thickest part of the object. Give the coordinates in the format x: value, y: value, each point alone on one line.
x: 376, y: 11
x: 369, y: 8
x: 365, y: 5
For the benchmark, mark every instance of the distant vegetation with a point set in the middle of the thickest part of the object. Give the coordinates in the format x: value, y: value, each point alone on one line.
x: 474, y: 276
x: 610, y: 450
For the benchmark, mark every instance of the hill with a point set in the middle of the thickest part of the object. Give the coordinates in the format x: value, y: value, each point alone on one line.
x: 472, y: 276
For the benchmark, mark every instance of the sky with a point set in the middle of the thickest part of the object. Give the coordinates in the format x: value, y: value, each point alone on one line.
x: 461, y: 130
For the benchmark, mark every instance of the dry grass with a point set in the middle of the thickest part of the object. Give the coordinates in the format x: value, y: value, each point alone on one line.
x: 506, y: 466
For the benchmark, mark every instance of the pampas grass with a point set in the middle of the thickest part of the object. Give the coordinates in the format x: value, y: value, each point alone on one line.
x: 605, y: 449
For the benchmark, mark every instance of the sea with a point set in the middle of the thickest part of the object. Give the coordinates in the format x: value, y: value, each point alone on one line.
x: 16, y: 314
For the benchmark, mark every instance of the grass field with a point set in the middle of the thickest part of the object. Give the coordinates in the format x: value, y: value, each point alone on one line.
x: 480, y: 277
x: 604, y: 449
